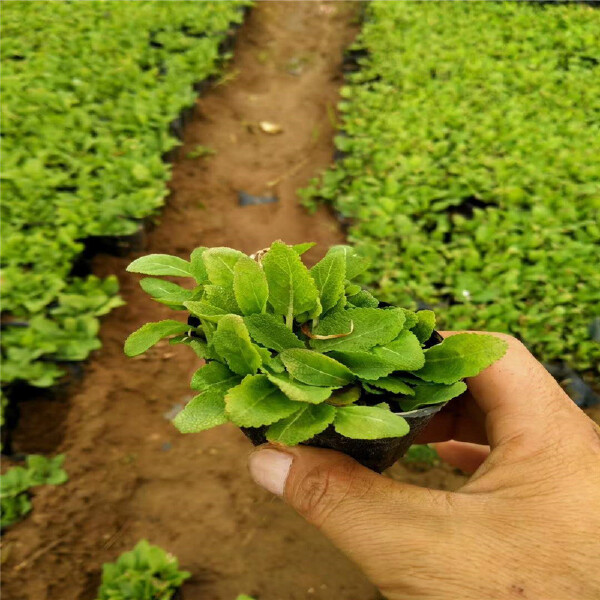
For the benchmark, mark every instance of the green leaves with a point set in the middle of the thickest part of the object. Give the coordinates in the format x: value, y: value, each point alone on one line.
x: 364, y: 364
x: 425, y: 325
x: 161, y: 264
x: 404, y: 353
x: 369, y: 326
x: 299, y: 392
x: 430, y: 393
x: 314, y: 368
x: 256, y: 401
x: 250, y: 286
x: 219, y: 263
x: 166, y: 292
x: 271, y: 332
x: 355, y: 263
x: 292, y: 290
x: 459, y: 356
x: 232, y: 342
x: 329, y: 275
x: 302, y: 425
x: 213, y: 376
x: 369, y: 423
x: 150, y: 333
x: 202, y: 412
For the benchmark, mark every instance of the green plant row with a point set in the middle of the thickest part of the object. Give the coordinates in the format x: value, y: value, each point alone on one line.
x: 89, y: 90
x: 471, y: 167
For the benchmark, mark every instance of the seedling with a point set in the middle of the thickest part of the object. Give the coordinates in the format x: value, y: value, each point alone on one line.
x: 291, y: 352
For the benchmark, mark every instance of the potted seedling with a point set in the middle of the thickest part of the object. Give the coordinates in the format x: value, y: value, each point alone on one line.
x: 306, y: 356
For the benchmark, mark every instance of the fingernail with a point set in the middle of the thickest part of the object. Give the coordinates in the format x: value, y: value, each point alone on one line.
x: 270, y: 468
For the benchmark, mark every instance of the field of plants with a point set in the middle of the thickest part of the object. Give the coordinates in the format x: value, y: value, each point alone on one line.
x: 438, y: 156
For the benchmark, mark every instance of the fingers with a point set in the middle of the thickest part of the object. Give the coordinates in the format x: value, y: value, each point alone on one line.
x: 463, y: 456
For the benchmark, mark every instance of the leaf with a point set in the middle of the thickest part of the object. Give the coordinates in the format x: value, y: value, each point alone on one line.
x: 202, y: 412
x: 302, y: 425
x: 302, y: 248
x: 206, y: 311
x: 292, y: 290
x: 150, y: 333
x: 250, y: 286
x: 459, y: 356
x: 405, y: 352
x: 198, y: 269
x: 411, y: 319
x: 221, y: 297
x: 219, y: 263
x: 425, y: 325
x: 232, y: 342
x: 364, y: 364
x: 213, y: 375
x: 256, y: 402
x: 271, y: 332
x: 370, y: 327
x: 314, y: 368
x: 345, y: 397
x: 329, y: 275
x: 369, y: 423
x: 394, y: 385
x: 430, y: 393
x: 300, y: 392
x: 165, y: 292
x: 161, y: 264
x: 363, y: 299
x: 355, y: 263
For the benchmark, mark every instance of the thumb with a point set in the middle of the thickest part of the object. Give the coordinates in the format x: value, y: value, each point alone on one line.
x: 356, y: 508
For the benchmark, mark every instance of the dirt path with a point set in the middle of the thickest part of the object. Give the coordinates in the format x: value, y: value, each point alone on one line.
x: 132, y: 475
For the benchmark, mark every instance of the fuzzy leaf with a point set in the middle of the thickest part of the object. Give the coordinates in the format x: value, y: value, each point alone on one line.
x: 329, y: 275
x: 219, y: 263
x: 302, y: 425
x: 369, y: 423
x: 355, y: 263
x: 394, y: 385
x: 205, y: 311
x: 270, y: 331
x: 221, y: 297
x: 345, y: 397
x: 300, y: 392
x: 405, y: 352
x: 165, y: 292
x: 232, y: 342
x: 202, y: 412
x: 198, y: 268
x: 363, y: 299
x: 256, y: 401
x: 314, y: 368
x: 213, y: 375
x: 459, y: 356
x: 425, y: 325
x: 250, y: 286
x: 161, y: 264
x: 364, y: 364
x: 302, y: 248
x: 292, y: 290
x: 411, y: 319
x: 372, y: 326
x: 150, y: 333
x: 431, y: 393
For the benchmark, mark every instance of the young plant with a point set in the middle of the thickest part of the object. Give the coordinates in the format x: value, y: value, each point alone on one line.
x: 292, y: 351
x: 145, y: 573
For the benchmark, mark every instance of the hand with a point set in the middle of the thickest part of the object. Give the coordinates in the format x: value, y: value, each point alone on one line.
x: 525, y: 525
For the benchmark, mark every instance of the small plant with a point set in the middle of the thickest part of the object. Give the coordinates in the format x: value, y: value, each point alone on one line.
x: 200, y: 151
x: 145, y: 573
x: 292, y: 351
x: 421, y: 454
x: 16, y: 482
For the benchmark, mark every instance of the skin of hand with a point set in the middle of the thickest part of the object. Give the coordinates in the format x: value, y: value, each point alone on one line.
x: 525, y: 525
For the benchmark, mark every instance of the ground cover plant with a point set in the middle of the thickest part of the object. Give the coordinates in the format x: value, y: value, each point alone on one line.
x: 470, y: 167
x: 89, y: 90
x: 17, y: 481
x: 293, y: 351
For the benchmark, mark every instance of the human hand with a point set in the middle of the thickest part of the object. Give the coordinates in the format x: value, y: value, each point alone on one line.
x: 525, y: 525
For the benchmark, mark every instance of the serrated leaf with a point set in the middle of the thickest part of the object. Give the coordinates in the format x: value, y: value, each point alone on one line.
x: 459, y: 356
x: 221, y: 297
x: 270, y: 332
x: 198, y: 268
x: 302, y: 425
x: 219, y: 263
x: 329, y: 275
x: 165, y: 292
x: 424, y: 326
x: 352, y: 289
x: 431, y: 393
x: 232, y: 342
x: 256, y: 402
x: 405, y: 352
x: 292, y: 290
x: 364, y: 364
x: 299, y: 392
x: 200, y: 347
x: 161, y: 264
x: 302, y: 248
x: 369, y: 423
x: 411, y: 319
x: 250, y: 286
x: 371, y: 389
x: 363, y: 299
x: 204, y: 411
x: 314, y: 368
x: 345, y: 397
x: 355, y: 264
x: 213, y: 375
x: 370, y: 327
x: 150, y: 333
x: 394, y: 385
x: 206, y: 311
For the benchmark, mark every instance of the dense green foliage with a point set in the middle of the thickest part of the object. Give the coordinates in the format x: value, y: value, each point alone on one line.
x: 297, y: 350
x: 471, y: 166
x: 89, y: 89
x: 16, y: 482
x: 145, y: 573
